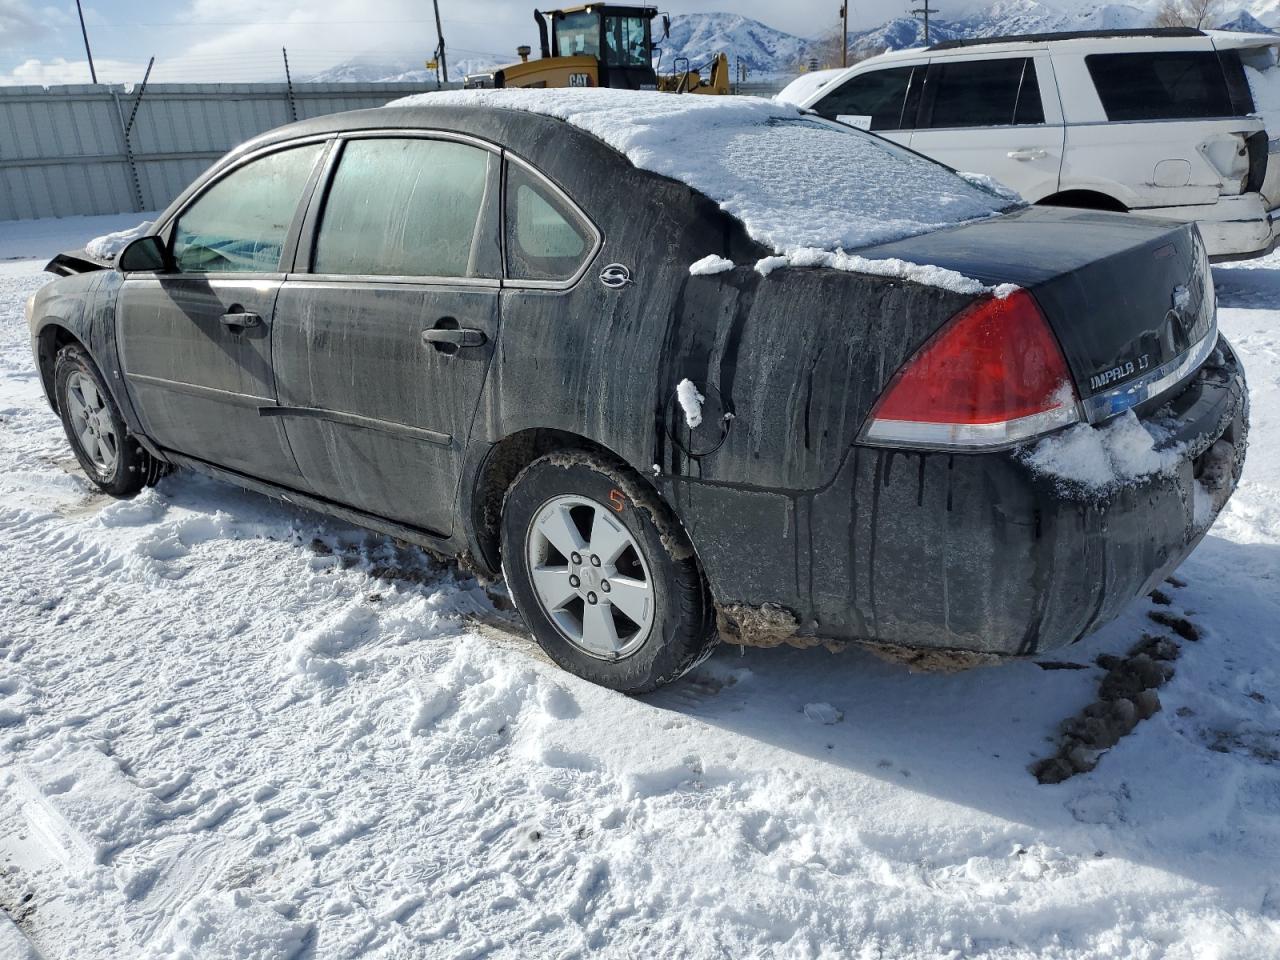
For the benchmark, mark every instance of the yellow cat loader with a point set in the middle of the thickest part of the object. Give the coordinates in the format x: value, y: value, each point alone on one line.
x: 601, y: 45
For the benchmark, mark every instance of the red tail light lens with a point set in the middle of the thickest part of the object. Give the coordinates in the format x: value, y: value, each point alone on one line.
x: 993, y: 376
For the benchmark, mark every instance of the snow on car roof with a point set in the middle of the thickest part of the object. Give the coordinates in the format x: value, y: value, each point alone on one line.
x: 796, y: 181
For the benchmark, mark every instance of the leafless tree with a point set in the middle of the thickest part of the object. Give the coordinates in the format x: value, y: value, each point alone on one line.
x: 1200, y: 14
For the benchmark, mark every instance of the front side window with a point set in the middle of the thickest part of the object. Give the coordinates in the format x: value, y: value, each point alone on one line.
x: 239, y: 225
x: 406, y: 208
x: 626, y: 41
x: 984, y: 93
x: 879, y: 95
x: 546, y: 238
x: 578, y: 34
x: 1180, y: 85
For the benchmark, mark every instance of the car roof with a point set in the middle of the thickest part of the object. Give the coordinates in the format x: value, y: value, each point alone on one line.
x: 1083, y: 42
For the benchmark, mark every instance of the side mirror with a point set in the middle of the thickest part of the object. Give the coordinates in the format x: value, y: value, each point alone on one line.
x: 144, y: 255
x: 666, y: 26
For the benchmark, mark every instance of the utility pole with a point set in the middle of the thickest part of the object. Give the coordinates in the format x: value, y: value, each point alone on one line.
x: 844, y: 42
x: 85, y: 33
x: 925, y: 11
x: 444, y: 65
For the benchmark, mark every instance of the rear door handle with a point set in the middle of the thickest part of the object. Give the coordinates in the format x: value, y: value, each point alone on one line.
x: 1029, y: 154
x: 236, y: 320
x: 445, y: 336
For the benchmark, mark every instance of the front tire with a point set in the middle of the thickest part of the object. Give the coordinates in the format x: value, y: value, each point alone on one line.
x: 603, y: 574
x: 110, y: 456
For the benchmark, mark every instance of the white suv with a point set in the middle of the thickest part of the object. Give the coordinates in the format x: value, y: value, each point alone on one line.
x: 1162, y: 122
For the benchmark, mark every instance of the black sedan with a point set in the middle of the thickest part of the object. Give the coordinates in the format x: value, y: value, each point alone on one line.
x: 504, y: 331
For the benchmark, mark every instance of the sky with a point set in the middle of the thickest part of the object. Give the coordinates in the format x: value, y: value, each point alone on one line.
x: 240, y: 40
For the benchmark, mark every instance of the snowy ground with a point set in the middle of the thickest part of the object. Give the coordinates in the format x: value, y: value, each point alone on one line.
x: 231, y: 728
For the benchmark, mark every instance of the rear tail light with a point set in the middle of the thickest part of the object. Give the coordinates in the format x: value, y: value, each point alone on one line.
x: 993, y: 376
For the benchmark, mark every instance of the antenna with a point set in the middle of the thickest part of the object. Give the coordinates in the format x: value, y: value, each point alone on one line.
x: 925, y: 11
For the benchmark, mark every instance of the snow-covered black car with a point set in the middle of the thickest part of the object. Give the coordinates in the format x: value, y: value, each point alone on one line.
x: 678, y: 367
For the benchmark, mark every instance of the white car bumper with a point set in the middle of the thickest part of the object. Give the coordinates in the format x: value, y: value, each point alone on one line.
x: 1234, y: 228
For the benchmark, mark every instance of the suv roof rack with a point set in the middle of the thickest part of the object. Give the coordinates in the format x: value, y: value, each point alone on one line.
x: 1069, y: 35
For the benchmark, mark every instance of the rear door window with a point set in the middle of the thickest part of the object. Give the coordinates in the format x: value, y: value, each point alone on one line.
x: 240, y: 224
x: 1176, y: 85
x: 547, y: 239
x: 880, y: 95
x: 407, y: 208
x: 983, y: 93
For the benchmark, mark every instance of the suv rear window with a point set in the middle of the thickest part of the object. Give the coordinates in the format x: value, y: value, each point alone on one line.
x: 1179, y: 85
x: 983, y: 93
x: 879, y: 95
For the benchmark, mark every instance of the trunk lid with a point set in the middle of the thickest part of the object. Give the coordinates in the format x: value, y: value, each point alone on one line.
x: 1130, y: 300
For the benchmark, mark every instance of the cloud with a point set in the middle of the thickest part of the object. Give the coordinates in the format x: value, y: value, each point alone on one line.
x: 48, y: 73
x: 21, y: 23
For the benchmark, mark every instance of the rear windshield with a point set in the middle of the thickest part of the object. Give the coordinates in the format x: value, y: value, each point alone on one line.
x: 1178, y: 85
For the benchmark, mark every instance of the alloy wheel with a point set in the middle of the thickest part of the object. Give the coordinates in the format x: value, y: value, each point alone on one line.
x: 92, y: 423
x: 590, y: 577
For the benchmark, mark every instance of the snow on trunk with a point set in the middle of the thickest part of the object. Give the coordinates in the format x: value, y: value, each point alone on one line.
x: 710, y: 264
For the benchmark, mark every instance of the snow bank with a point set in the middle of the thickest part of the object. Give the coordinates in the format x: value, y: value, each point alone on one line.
x: 794, y: 180
x: 230, y: 926
x: 108, y: 245
x: 1099, y: 458
x: 691, y: 402
x: 710, y: 264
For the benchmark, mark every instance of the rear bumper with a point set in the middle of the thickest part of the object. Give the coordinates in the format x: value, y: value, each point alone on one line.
x: 1234, y: 228
x: 976, y: 552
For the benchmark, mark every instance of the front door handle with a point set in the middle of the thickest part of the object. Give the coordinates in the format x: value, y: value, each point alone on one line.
x: 237, y: 319
x: 440, y: 337
x: 1029, y: 154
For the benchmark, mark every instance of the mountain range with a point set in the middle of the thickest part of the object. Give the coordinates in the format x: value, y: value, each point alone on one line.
x: 768, y: 54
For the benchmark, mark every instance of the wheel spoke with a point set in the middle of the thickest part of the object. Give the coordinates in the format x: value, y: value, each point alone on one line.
x: 552, y: 584
x: 107, y: 448
x: 76, y: 403
x: 598, y: 630
x: 631, y: 597
x: 558, y: 527
x: 90, y: 444
x: 608, y: 538
x: 91, y: 398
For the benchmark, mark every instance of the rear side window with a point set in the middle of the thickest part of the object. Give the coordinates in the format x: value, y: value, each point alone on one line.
x: 546, y: 238
x: 983, y: 93
x: 239, y: 225
x: 1178, y: 85
x: 880, y: 95
x: 405, y: 208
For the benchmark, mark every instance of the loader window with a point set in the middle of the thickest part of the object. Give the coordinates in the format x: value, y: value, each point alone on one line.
x: 626, y: 42
x: 546, y: 238
x: 578, y: 34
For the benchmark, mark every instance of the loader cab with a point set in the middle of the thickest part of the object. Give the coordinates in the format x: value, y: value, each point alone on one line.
x: 620, y: 38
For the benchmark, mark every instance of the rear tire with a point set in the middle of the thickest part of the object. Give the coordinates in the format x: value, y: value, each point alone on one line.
x: 110, y: 455
x: 603, y: 574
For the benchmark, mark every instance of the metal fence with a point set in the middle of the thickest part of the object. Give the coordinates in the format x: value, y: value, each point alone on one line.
x: 85, y: 149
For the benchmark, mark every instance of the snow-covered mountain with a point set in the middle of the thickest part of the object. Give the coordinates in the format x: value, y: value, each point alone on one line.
x: 700, y: 36
x: 369, y: 70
